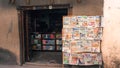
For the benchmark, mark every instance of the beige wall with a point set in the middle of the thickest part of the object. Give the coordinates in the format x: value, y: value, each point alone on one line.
x: 9, y: 34
x: 85, y: 7
x: 111, y: 38
x: 88, y: 7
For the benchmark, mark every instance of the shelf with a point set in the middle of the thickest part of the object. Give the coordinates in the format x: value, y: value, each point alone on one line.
x: 48, y: 45
x: 48, y: 50
x: 36, y: 49
x: 47, y: 42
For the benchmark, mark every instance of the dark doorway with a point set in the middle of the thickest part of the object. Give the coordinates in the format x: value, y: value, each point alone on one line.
x: 37, y: 25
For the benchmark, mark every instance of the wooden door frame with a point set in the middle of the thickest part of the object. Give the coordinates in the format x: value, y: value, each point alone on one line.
x: 21, y: 35
x: 21, y: 10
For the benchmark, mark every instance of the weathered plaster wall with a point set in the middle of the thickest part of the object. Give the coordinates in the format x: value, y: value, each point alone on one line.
x: 84, y: 7
x: 9, y: 34
x: 88, y: 7
x: 111, y: 36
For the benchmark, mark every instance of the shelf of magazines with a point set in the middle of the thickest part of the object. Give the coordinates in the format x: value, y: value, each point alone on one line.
x: 46, y: 42
x: 58, y: 41
x: 82, y: 58
x: 36, y: 42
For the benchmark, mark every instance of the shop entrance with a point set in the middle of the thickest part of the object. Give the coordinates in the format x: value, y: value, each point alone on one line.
x: 42, y: 31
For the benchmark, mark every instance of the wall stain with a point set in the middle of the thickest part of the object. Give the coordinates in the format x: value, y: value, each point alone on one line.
x: 7, y: 57
x: 10, y: 28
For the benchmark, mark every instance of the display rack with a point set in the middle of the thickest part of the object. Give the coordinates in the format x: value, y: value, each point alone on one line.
x: 46, y: 42
x: 82, y: 36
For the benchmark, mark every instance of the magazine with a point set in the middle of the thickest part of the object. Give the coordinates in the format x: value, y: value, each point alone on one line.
x: 75, y: 46
x: 86, y: 46
x: 81, y: 48
x: 66, y: 46
x: 91, y: 21
x: 38, y: 36
x: 38, y: 46
x: 66, y: 49
x: 76, y: 33
x: 90, y: 34
x: 48, y: 36
x: 84, y: 22
x: 59, y: 42
x: 80, y: 21
x: 59, y: 36
x: 83, y: 33
x: 66, y: 21
x: 98, y: 33
x: 67, y: 30
x: 59, y: 47
x: 73, y: 59
x: 68, y: 36
x: 73, y: 22
x: 48, y: 47
x: 97, y: 58
x: 87, y: 58
x: 66, y: 58
x: 80, y: 60
x: 52, y: 42
x: 95, y: 46
x: 34, y: 46
x: 97, y: 21
x: 94, y: 59
x: 35, y: 41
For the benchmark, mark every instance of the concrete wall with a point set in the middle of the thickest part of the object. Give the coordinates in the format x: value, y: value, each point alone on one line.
x: 111, y: 38
x: 9, y: 34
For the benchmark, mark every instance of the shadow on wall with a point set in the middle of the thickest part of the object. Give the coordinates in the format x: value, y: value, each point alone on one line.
x: 7, y: 57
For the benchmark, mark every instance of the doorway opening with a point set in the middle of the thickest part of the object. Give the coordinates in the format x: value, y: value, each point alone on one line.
x: 43, y: 35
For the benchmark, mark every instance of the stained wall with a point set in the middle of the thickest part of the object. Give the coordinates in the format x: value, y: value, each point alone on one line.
x: 111, y: 36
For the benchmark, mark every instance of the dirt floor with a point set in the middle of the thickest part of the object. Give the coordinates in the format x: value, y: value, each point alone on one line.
x: 52, y: 59
x: 47, y: 57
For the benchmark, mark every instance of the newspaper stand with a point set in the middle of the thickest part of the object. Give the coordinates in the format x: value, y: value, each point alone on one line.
x: 81, y: 38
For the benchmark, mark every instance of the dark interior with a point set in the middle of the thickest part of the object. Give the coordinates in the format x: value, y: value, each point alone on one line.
x: 45, y: 21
